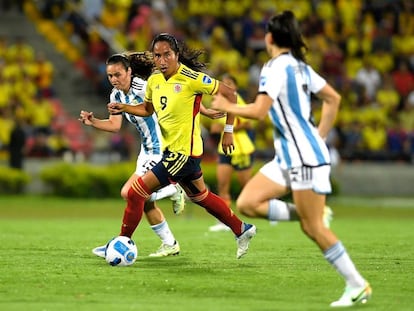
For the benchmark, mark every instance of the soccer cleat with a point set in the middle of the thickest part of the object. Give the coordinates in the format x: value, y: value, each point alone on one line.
x: 99, y: 251
x: 167, y: 250
x: 244, y: 239
x: 218, y: 227
x: 327, y: 216
x: 178, y: 199
x: 353, y: 296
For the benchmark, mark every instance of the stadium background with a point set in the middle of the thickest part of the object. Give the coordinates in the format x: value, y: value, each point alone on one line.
x: 364, y: 48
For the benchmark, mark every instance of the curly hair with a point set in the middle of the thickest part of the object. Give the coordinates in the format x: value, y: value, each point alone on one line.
x: 141, y: 63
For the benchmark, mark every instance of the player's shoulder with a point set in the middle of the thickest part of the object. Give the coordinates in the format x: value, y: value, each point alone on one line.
x: 155, y: 76
x: 115, y: 94
x: 138, y: 84
x: 198, y: 78
x: 187, y: 72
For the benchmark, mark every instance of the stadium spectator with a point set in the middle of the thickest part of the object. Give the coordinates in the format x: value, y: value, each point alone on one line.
x: 41, y: 114
x: 20, y: 50
x: 38, y: 146
x: 6, y: 127
x: 332, y: 63
x: 139, y: 31
x: 398, y: 148
x: 17, y: 144
x: 44, y: 72
x: 369, y: 78
x: 406, y: 115
x: 59, y: 143
x: 387, y: 96
x: 374, y: 140
x: 6, y: 91
x: 351, y: 143
x: 403, y: 78
x: 240, y: 161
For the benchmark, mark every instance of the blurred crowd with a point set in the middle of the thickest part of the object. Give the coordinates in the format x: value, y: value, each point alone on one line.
x: 27, y: 105
x: 364, y: 48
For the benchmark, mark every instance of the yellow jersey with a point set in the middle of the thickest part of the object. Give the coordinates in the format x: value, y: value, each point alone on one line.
x: 177, y: 103
x: 241, y: 139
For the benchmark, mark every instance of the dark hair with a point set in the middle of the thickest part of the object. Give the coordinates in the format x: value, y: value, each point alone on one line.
x: 286, y: 33
x: 141, y: 63
x: 187, y: 56
x: 118, y: 58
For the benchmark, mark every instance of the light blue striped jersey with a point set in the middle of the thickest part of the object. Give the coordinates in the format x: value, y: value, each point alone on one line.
x: 146, y: 126
x: 290, y: 83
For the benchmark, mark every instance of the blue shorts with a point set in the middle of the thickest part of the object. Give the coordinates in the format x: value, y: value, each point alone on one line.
x: 238, y: 162
x: 177, y: 167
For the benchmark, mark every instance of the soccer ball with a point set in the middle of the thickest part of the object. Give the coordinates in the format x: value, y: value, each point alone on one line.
x: 121, y: 251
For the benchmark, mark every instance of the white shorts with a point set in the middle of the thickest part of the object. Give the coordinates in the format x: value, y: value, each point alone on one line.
x: 145, y: 162
x: 300, y: 178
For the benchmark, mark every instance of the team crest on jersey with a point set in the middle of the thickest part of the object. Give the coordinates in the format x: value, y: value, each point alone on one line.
x: 177, y: 88
x: 262, y: 81
x: 206, y: 79
x: 137, y: 100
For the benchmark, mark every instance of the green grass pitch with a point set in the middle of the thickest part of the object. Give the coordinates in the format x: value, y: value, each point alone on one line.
x: 47, y: 264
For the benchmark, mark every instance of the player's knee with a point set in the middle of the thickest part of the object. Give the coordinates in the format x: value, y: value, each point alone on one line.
x: 124, y: 193
x: 310, y: 229
x: 148, y: 206
x: 245, y: 207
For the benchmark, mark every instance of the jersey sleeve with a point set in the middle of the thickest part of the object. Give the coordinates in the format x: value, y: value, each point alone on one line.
x: 316, y: 81
x: 269, y: 83
x: 148, y: 90
x: 139, y: 86
x: 204, y: 84
x: 112, y: 98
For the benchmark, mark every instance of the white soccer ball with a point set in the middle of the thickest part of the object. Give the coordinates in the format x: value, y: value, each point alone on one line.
x: 121, y: 251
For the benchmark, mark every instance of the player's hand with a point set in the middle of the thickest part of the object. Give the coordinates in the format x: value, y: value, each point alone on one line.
x: 214, y: 114
x: 219, y: 102
x: 115, y: 108
x: 227, y: 143
x: 86, y: 117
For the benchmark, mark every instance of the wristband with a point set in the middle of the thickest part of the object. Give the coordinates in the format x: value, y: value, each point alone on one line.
x: 228, y: 128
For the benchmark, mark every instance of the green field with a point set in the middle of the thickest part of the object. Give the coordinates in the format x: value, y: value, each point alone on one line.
x: 47, y: 264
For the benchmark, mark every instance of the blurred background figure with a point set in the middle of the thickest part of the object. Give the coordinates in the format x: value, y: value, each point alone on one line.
x: 17, y: 145
x: 240, y: 161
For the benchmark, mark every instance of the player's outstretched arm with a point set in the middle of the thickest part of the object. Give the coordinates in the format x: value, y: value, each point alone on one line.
x: 143, y: 110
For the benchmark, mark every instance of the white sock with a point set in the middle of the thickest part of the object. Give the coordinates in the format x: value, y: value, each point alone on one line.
x: 165, y: 192
x: 338, y: 257
x: 163, y: 231
x: 281, y: 211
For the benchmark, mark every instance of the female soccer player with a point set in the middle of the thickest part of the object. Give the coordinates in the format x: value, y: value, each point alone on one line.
x: 174, y: 93
x: 301, y: 164
x: 128, y: 74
